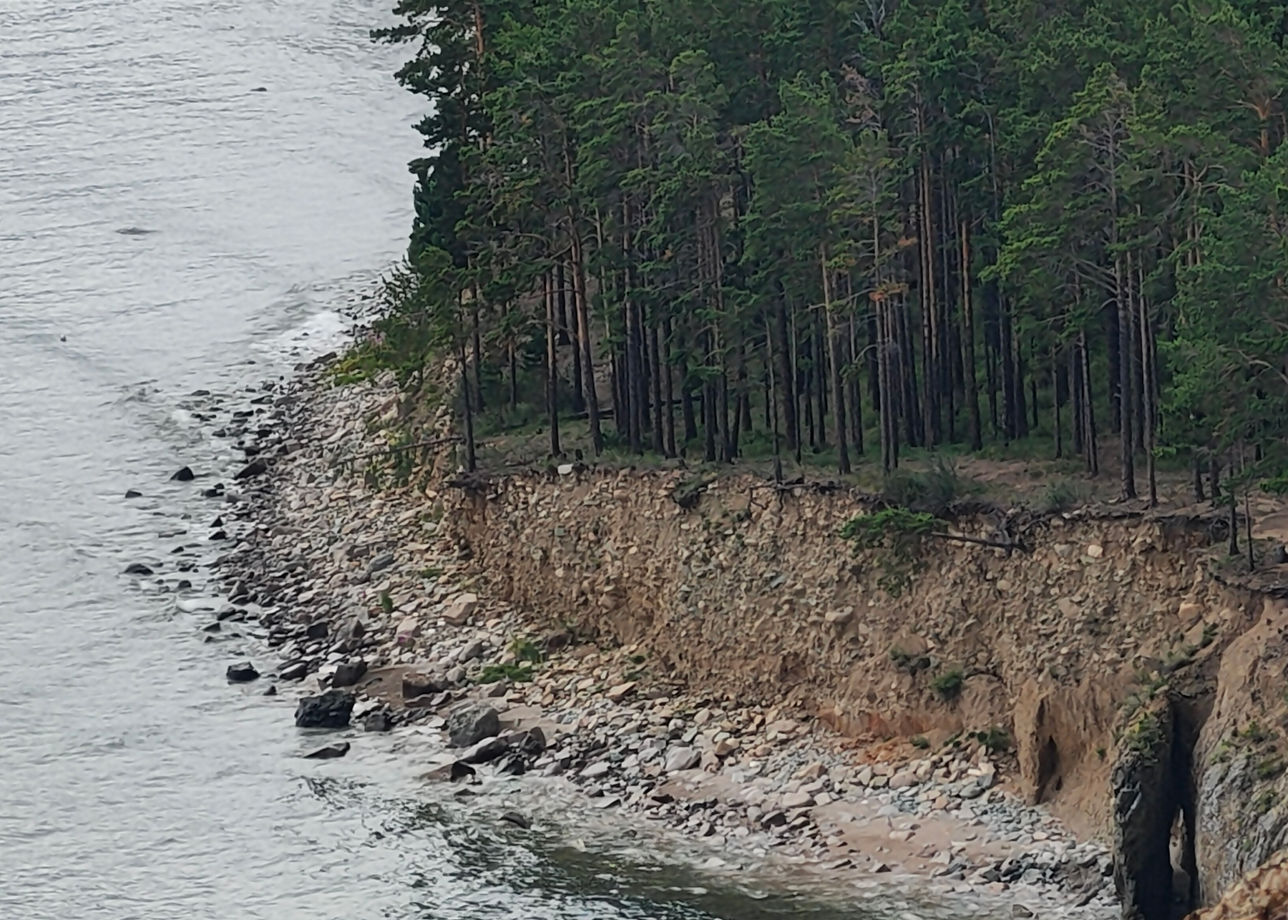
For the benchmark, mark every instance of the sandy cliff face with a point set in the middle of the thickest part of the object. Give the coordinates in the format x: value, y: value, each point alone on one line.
x: 1261, y: 895
x: 1125, y: 673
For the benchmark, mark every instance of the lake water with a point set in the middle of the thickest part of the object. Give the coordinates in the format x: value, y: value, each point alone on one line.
x: 134, y: 783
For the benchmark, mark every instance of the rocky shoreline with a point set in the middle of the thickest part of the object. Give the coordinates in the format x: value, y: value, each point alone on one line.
x: 363, y: 601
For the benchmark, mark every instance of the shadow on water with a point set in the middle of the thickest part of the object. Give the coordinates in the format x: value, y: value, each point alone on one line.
x: 469, y: 865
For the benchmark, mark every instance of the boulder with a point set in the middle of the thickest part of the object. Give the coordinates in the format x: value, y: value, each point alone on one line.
x: 295, y: 670
x: 183, y: 474
x: 379, y: 721
x: 683, y: 758
x: 459, y: 609
x: 471, y: 722
x: 531, y: 743
x: 329, y: 710
x: 794, y: 800
x: 138, y: 568
x: 408, y: 630
x: 380, y: 563
x: 317, y: 630
x: 242, y: 672
x: 419, y: 683
x: 330, y: 752
x: 621, y: 691
x: 486, y: 751
x: 133, y: 493
x: 348, y: 673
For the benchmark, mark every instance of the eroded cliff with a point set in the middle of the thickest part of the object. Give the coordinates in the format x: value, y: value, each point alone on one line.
x: 1144, y: 695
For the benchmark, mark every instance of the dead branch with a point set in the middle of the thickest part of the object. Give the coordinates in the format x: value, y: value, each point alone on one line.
x: 390, y: 451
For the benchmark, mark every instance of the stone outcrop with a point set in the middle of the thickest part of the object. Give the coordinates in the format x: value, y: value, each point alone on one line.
x: 1261, y: 895
x: 1145, y: 808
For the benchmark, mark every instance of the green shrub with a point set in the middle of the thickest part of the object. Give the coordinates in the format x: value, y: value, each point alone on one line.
x: 949, y: 685
x: 995, y: 740
x: 525, y: 650
x: 920, y: 742
x: 1061, y: 495
x: 492, y: 673
x: 931, y: 491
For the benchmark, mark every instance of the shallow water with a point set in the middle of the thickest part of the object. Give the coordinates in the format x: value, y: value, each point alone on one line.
x: 134, y: 783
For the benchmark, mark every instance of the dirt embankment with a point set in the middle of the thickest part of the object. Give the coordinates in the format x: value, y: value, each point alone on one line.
x: 1103, y: 641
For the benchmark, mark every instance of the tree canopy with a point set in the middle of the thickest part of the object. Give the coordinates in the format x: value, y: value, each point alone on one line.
x: 860, y: 226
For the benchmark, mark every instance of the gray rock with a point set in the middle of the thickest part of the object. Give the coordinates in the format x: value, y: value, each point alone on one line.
x: 295, y: 670
x: 381, y: 562
x: 471, y: 722
x: 486, y: 751
x: 682, y: 758
x: 419, y: 684
x: 378, y: 721
x: 348, y: 673
x: 330, y: 752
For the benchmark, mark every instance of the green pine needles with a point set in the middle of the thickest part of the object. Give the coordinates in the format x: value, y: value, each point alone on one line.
x: 900, y: 535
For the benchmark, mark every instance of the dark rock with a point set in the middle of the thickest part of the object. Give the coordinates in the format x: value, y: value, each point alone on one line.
x: 242, y: 672
x: 212, y: 627
x: 212, y: 493
x: 316, y: 630
x: 381, y: 562
x: 138, y: 568
x: 254, y: 468
x: 1144, y: 805
x: 512, y: 764
x: 132, y: 493
x: 452, y: 772
x: 471, y: 722
x: 330, y: 752
x: 184, y: 474
x: 418, y: 684
x: 532, y: 743
x: 348, y: 673
x: 217, y: 522
x: 330, y: 710
x: 518, y: 820
x: 182, y: 584
x: 379, y: 721
x: 219, y: 535
x: 271, y: 691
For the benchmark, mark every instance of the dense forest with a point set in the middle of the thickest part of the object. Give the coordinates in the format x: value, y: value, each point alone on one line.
x: 858, y: 227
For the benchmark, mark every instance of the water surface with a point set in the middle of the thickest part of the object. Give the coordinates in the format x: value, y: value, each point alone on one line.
x: 166, y: 227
